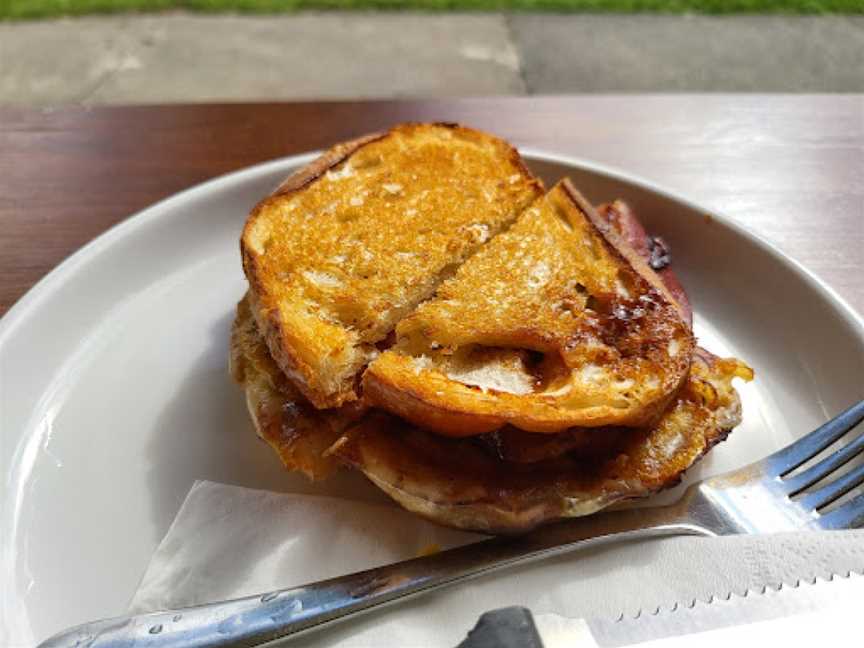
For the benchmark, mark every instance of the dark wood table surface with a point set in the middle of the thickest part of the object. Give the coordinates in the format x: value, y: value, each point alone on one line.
x: 791, y: 168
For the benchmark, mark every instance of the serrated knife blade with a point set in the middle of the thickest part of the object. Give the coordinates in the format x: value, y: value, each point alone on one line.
x: 800, y: 615
x: 839, y: 597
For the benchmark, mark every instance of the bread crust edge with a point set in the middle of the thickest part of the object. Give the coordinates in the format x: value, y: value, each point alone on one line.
x: 267, y: 316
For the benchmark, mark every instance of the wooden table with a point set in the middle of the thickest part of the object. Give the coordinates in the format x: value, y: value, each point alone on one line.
x: 791, y: 168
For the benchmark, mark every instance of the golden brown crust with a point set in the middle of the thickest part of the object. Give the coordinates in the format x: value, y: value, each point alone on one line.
x: 619, y: 245
x: 326, y: 161
x: 393, y: 387
x: 281, y: 343
x: 462, y: 363
x: 322, y: 345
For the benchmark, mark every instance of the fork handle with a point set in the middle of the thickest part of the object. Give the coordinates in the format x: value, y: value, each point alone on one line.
x: 254, y: 620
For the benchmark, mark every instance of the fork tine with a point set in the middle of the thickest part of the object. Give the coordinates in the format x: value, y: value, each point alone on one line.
x: 807, y: 447
x: 833, y: 490
x: 848, y: 516
x: 797, y: 483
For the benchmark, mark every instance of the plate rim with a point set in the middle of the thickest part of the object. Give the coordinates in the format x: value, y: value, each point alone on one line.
x: 54, y: 279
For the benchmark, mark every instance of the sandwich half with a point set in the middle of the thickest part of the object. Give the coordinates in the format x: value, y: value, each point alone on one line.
x: 555, y: 323
x: 348, y: 246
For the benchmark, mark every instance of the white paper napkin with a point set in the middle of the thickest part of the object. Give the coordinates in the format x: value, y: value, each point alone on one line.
x: 228, y: 542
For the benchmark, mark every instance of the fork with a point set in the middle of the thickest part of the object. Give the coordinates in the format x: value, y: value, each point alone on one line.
x: 763, y: 497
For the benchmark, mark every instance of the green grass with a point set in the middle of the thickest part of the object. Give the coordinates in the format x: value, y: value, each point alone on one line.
x: 22, y: 9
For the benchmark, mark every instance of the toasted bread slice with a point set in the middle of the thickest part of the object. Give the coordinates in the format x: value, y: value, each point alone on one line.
x: 297, y: 432
x: 348, y: 246
x: 460, y: 483
x: 555, y: 323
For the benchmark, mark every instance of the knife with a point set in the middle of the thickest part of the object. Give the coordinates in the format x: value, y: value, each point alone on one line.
x: 824, y: 611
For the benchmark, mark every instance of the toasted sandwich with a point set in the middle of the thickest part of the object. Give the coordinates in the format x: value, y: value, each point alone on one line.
x: 491, y: 357
x: 348, y: 246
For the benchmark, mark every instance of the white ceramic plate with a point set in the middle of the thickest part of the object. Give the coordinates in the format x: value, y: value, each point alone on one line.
x: 114, y: 395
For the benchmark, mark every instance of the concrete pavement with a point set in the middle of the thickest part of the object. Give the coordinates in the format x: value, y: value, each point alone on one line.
x: 187, y: 57
x: 692, y: 53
